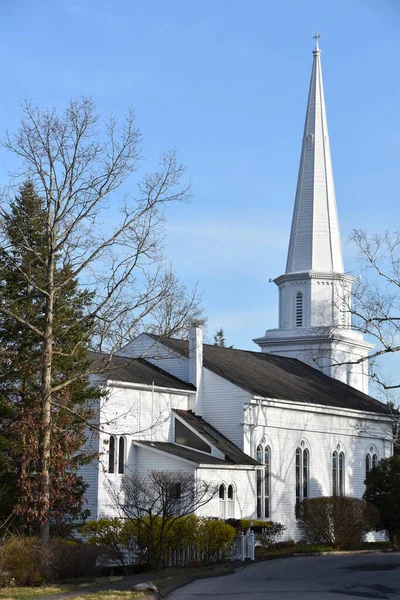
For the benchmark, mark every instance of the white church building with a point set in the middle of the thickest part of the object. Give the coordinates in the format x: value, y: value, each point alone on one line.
x: 270, y: 427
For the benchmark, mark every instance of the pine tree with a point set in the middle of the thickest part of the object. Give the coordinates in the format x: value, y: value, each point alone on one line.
x: 23, y: 258
x: 219, y: 339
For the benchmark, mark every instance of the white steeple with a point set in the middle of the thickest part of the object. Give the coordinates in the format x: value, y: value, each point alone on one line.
x: 314, y: 239
x: 314, y: 292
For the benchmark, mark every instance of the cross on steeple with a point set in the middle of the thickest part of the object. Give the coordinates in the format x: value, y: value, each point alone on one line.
x: 316, y: 38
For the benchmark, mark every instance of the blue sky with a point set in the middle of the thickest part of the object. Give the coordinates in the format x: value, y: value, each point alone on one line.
x: 225, y: 83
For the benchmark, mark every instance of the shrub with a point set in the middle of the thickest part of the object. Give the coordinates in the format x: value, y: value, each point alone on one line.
x: 214, y: 539
x: 336, y: 521
x: 246, y: 524
x: 27, y: 561
x: 383, y: 491
x: 22, y: 561
x: 272, y: 534
x: 70, y: 560
x: 114, y: 535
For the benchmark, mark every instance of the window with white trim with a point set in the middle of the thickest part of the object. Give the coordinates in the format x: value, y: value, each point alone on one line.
x: 222, y: 497
x: 263, y: 456
x: 302, y: 465
x: 338, y: 473
x: 371, y: 459
x: 111, y: 454
x: 121, y: 455
x: 231, y: 502
x: 299, y: 309
x: 116, y: 454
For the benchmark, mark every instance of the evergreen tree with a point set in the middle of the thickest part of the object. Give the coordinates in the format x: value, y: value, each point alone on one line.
x: 23, y: 259
x: 219, y: 339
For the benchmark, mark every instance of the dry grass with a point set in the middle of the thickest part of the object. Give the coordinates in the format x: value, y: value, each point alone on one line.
x: 113, y: 595
x: 25, y: 593
x: 29, y: 593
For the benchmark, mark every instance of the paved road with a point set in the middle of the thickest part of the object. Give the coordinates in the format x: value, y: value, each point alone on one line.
x: 304, y: 578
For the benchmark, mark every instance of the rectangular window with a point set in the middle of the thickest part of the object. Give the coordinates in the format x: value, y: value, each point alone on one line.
x: 334, y: 474
x: 259, y: 494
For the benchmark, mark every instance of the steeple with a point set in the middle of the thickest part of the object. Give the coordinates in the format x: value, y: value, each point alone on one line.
x: 314, y: 239
x: 314, y: 292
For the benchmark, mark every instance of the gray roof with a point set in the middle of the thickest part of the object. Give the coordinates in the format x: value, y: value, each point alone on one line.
x: 271, y: 376
x: 232, y: 453
x: 136, y: 370
x: 182, y: 452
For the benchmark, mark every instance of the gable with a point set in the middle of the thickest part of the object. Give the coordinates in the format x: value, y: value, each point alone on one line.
x: 157, y: 353
x: 279, y: 377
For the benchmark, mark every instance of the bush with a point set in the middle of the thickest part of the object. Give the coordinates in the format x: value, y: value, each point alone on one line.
x: 155, y: 541
x: 336, y: 521
x: 271, y: 536
x: 246, y: 524
x: 27, y: 561
x: 213, y: 539
x: 268, y: 533
x: 71, y: 560
x: 114, y: 535
x: 383, y: 491
x: 22, y: 561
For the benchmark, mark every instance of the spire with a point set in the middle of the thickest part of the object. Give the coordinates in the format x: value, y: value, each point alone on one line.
x: 314, y: 239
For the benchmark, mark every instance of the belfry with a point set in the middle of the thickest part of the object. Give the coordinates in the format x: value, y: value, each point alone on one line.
x: 314, y: 291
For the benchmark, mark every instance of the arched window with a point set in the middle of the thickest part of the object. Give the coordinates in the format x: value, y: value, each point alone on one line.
x: 121, y: 455
x: 302, y: 473
x: 367, y: 463
x: 334, y: 473
x: 338, y: 473
x: 371, y: 459
x: 263, y: 456
x: 341, y: 474
x: 231, y: 502
x: 111, y: 454
x: 116, y: 454
x: 299, y: 309
x: 222, y: 514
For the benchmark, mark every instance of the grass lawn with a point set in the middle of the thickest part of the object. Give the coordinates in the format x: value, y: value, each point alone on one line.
x: 24, y: 593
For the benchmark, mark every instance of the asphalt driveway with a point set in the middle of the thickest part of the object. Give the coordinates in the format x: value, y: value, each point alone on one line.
x: 304, y: 578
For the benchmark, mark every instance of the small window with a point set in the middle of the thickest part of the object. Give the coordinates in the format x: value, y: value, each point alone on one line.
x: 367, y: 463
x: 299, y: 309
x: 334, y: 473
x: 302, y: 467
x: 121, y: 455
x: 371, y: 460
x: 341, y: 474
x: 263, y: 482
x: 111, y: 454
x: 186, y: 437
x: 231, y: 502
x: 338, y: 473
x: 175, y: 491
x: 222, y: 514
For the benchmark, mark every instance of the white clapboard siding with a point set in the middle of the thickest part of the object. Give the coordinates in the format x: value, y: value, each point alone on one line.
x: 243, y: 481
x: 144, y: 346
x: 223, y: 405
x: 284, y: 430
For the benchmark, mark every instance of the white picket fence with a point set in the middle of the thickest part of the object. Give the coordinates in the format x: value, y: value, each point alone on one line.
x: 242, y: 549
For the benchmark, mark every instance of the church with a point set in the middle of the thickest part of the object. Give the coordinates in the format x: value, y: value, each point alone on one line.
x: 288, y: 421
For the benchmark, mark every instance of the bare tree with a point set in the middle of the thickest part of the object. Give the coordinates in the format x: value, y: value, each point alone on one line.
x: 375, y: 307
x: 154, y: 501
x: 107, y: 241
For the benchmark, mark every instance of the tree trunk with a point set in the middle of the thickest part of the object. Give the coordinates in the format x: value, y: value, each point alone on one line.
x: 45, y: 440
